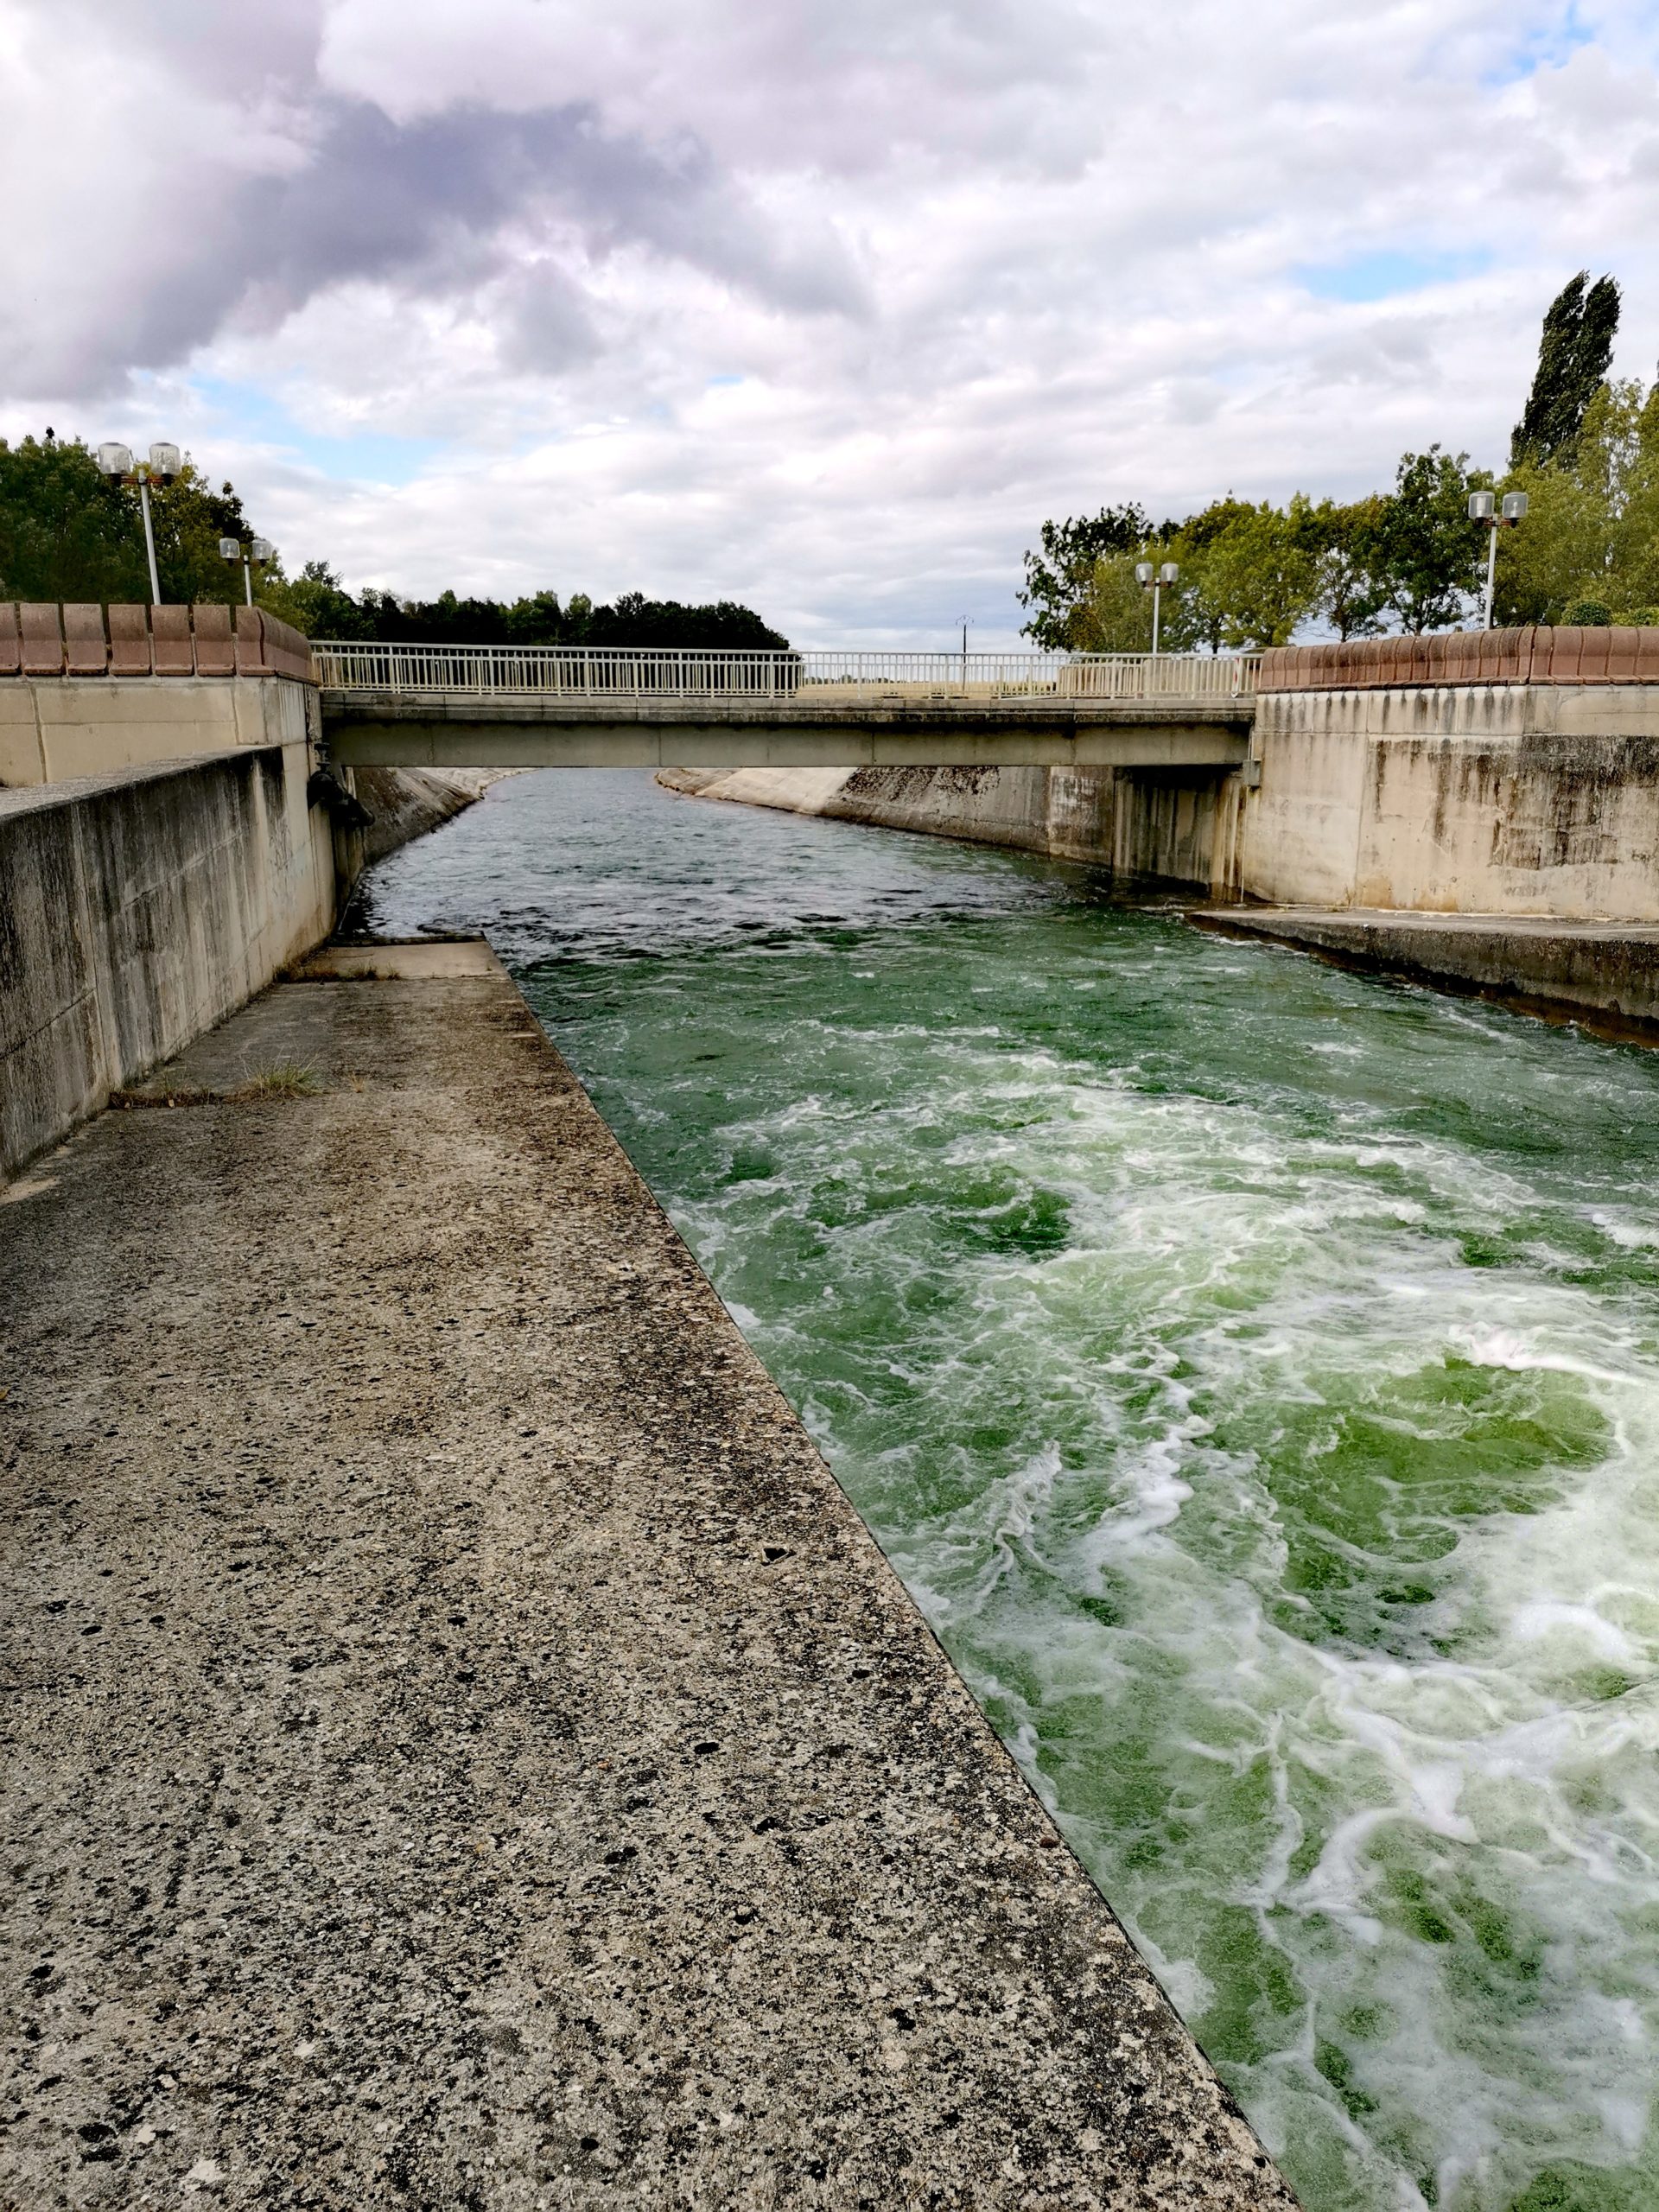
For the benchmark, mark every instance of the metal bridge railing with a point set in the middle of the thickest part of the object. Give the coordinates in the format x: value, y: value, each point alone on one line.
x: 618, y: 673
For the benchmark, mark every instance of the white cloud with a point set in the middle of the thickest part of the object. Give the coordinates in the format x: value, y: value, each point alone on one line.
x: 823, y: 305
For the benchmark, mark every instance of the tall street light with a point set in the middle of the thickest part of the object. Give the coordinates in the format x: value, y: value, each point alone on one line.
x: 164, y: 464
x: 1154, y: 580
x: 1483, y: 509
x: 254, y: 554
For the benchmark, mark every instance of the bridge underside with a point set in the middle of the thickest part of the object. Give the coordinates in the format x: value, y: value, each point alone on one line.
x: 461, y: 732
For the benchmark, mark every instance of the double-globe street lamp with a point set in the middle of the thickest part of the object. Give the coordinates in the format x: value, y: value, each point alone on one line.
x: 254, y: 554
x: 164, y: 464
x: 1154, y: 580
x: 1484, y: 509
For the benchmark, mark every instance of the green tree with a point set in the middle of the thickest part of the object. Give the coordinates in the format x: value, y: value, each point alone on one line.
x: 1347, y: 591
x: 1113, y: 613
x: 537, y: 619
x: 1634, y: 559
x: 316, y: 602
x: 1425, y: 553
x: 1193, y: 615
x: 721, y: 626
x: 69, y: 532
x: 1060, y: 577
x: 189, y: 518
x: 1559, y: 553
x: 1592, y: 533
x: 1573, y: 352
x: 65, y: 531
x: 1257, y: 575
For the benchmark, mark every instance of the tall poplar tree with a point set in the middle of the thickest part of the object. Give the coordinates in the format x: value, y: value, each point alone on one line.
x: 1573, y: 354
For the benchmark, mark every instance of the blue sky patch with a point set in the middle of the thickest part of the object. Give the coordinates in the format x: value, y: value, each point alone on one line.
x: 371, y: 456
x: 1387, y: 271
x: 1545, y: 47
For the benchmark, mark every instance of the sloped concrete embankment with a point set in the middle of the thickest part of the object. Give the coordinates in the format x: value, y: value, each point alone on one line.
x: 467, y: 1751
x: 1150, y: 829
x: 406, y: 802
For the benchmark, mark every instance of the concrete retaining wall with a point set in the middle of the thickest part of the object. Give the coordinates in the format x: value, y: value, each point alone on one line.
x: 1520, y: 799
x: 1535, y: 653
x: 86, y: 690
x: 136, y: 910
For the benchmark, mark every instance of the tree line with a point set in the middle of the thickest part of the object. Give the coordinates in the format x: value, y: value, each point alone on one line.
x: 1586, y: 451
x: 69, y: 532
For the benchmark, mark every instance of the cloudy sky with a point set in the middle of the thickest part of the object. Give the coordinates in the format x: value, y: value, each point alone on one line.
x: 822, y: 304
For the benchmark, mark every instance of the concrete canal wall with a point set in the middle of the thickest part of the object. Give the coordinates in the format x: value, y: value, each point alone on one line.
x: 137, y: 908
x: 1502, y: 800
x: 1510, y: 778
x: 1154, y: 829
x: 1523, y: 799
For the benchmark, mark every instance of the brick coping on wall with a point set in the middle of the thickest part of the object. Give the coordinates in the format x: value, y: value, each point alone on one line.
x: 1536, y: 654
x: 40, y: 639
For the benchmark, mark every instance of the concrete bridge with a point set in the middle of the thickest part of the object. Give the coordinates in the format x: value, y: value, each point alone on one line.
x: 430, y: 706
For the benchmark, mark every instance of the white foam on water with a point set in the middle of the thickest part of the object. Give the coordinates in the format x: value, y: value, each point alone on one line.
x: 1468, y: 1771
x: 1291, y: 1501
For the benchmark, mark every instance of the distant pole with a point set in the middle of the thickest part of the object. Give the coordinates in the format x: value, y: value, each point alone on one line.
x: 964, y: 652
x: 149, y: 542
x: 247, y: 575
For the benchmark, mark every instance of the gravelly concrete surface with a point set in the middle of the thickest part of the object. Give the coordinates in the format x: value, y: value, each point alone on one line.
x: 464, y: 1750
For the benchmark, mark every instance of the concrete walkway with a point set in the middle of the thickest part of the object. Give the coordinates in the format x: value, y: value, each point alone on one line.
x: 465, y: 1752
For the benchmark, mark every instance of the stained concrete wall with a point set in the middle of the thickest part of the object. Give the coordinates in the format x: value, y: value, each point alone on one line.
x: 138, y: 909
x: 1518, y: 799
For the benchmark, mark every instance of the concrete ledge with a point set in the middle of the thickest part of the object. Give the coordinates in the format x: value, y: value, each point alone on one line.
x: 58, y: 728
x: 1605, y: 975
x: 467, y: 1751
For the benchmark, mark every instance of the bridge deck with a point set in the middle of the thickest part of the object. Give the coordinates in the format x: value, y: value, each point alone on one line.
x: 818, y: 729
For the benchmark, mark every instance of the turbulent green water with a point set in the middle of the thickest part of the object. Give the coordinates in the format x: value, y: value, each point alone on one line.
x: 1253, y: 1370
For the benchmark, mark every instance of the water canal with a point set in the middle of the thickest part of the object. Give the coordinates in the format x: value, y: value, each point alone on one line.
x: 1253, y: 1370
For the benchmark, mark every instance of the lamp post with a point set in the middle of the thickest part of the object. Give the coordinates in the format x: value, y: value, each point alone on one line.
x: 1154, y: 580
x: 163, y: 465
x: 1483, y: 508
x: 254, y: 554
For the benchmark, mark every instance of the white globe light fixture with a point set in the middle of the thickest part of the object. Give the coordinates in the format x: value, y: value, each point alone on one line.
x: 165, y: 465
x: 254, y: 554
x: 1485, y: 509
x: 1156, y: 580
